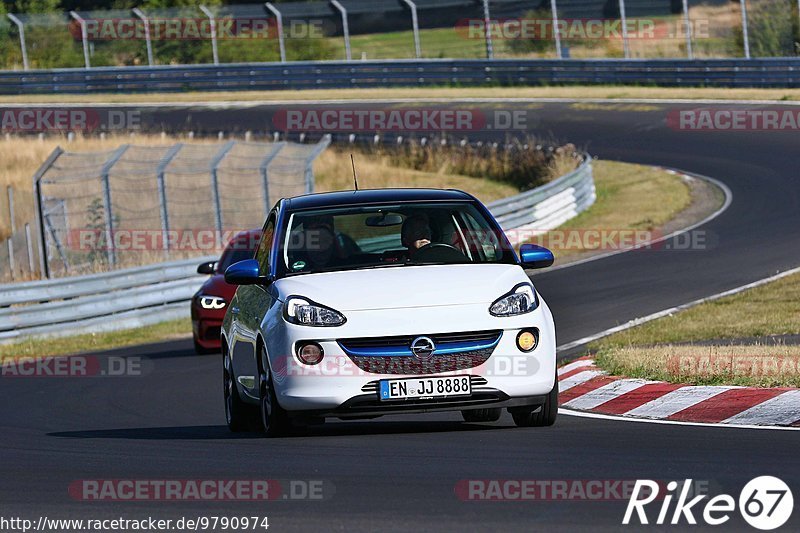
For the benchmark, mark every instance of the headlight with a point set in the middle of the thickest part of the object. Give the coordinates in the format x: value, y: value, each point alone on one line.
x: 522, y: 299
x: 212, y: 302
x: 307, y: 313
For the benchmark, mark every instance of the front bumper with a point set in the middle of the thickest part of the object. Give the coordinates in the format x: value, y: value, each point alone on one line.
x: 508, y: 378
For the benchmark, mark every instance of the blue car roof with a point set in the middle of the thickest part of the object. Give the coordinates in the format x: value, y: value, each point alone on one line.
x: 373, y: 196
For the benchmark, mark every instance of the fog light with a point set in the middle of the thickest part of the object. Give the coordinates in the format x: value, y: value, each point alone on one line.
x: 527, y: 340
x: 309, y: 353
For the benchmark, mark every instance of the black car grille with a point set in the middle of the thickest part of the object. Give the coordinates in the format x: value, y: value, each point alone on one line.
x: 454, y: 351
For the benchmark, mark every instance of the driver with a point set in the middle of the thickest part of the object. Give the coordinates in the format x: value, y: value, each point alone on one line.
x: 415, y: 233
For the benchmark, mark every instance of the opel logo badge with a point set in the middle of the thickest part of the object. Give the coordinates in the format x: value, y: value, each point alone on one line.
x: 422, y: 347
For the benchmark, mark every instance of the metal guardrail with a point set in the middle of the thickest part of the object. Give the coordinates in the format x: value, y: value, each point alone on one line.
x: 145, y: 295
x: 769, y: 72
x: 546, y: 207
x: 111, y: 300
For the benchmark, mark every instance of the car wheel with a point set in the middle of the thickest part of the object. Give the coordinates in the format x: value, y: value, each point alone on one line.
x: 274, y: 419
x: 544, y: 416
x: 237, y: 414
x: 482, y: 415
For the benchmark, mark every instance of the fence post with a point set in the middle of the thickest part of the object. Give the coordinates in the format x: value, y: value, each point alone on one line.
x: 624, y: 19
x: 688, y: 24
x: 104, y: 178
x: 29, y: 246
x: 84, y: 37
x: 265, y: 174
x: 556, y: 32
x: 279, y: 21
x: 487, y: 28
x: 11, y: 217
x: 11, y: 265
x: 745, y: 36
x: 147, y: 40
x: 216, y: 200
x: 415, y: 26
x: 309, y: 171
x: 213, y: 23
x: 345, y: 28
x: 22, y: 45
x: 162, y: 195
x: 39, y: 208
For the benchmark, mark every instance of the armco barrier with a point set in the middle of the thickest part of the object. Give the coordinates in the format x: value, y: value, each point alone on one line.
x: 145, y: 295
x: 768, y: 72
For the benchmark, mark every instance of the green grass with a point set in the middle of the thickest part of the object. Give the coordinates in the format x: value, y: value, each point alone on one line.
x: 629, y: 197
x: 772, y: 309
x: 98, y: 341
x: 648, y: 351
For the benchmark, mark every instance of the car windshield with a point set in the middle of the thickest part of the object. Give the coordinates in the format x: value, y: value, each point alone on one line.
x: 239, y: 249
x: 348, y: 238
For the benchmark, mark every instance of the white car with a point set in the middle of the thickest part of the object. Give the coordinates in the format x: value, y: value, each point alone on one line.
x: 366, y: 303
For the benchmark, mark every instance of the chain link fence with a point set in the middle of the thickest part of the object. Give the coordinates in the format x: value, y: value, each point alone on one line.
x: 394, y: 29
x: 135, y: 205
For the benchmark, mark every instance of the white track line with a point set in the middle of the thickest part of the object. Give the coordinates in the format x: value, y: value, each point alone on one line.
x: 676, y: 401
x: 782, y: 409
x: 576, y: 364
x: 583, y: 414
x: 577, y: 379
x: 671, y: 310
x: 607, y: 392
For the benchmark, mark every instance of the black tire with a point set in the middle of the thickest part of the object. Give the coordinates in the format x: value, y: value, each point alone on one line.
x: 544, y: 416
x: 238, y: 414
x: 482, y: 415
x: 274, y: 419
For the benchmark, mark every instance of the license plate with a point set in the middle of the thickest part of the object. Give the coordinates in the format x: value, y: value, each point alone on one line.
x: 401, y: 389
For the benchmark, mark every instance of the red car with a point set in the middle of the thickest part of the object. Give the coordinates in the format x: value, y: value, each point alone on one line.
x: 210, y: 303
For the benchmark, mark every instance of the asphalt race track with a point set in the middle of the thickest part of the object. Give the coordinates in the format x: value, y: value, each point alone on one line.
x: 400, y: 473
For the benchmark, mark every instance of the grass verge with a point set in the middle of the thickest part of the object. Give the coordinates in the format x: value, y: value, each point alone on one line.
x: 92, y: 342
x: 630, y: 198
x: 612, y: 92
x: 649, y: 351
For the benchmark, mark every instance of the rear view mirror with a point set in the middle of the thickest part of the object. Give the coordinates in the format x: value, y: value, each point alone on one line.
x: 534, y: 256
x: 207, y: 268
x: 386, y: 219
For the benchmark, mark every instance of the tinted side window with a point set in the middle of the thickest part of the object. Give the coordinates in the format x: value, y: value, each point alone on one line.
x: 264, y: 246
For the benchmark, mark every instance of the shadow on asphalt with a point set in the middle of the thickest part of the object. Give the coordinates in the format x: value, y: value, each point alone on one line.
x: 328, y: 430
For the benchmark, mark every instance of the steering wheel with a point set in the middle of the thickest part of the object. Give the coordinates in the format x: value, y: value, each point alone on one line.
x: 438, y: 251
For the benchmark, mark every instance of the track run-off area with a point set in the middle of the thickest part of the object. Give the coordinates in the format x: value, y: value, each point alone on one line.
x: 405, y: 473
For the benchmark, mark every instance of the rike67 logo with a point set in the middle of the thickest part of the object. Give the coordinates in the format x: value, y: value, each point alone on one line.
x: 765, y: 503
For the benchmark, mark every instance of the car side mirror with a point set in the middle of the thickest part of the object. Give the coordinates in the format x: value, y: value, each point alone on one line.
x: 245, y: 273
x: 535, y: 256
x: 207, y: 268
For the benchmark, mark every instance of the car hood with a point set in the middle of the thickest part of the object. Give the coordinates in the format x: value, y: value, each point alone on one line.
x: 405, y: 286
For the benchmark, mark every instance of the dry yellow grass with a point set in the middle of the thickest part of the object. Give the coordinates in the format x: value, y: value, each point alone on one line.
x: 630, y: 198
x: 333, y: 172
x: 613, y: 92
x: 759, y: 365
